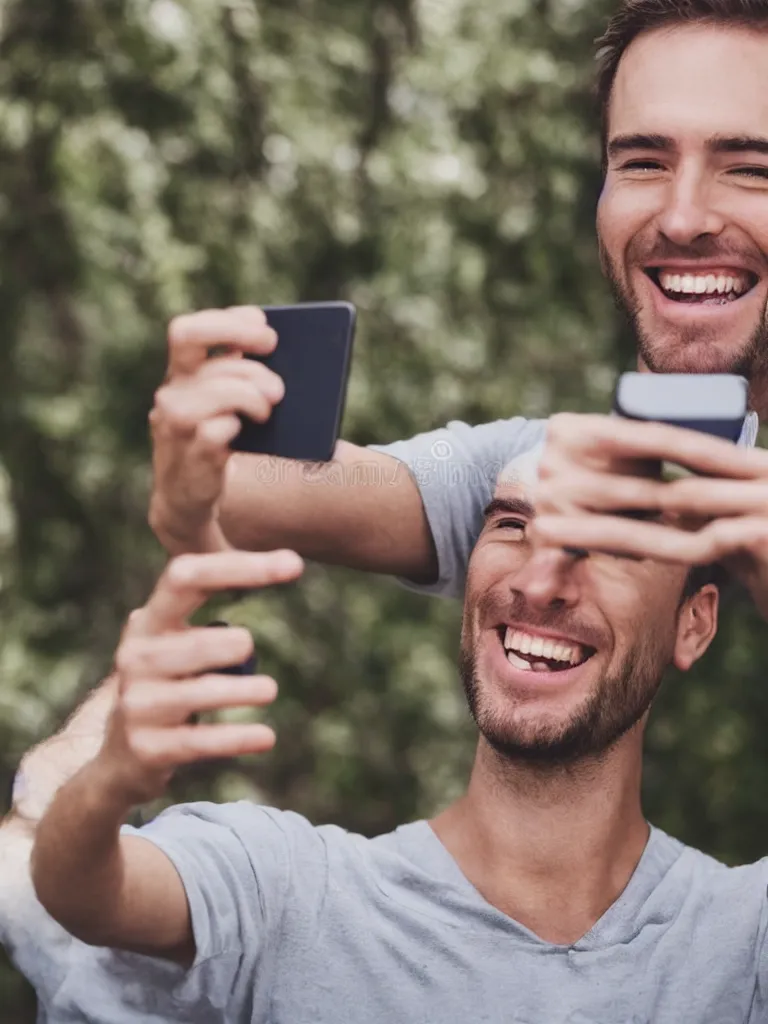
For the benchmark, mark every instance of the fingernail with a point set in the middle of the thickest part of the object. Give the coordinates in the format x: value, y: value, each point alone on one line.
x: 291, y: 561
x: 276, y: 388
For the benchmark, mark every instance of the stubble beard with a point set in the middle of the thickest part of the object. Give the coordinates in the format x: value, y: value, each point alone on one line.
x: 689, y: 355
x: 617, y: 704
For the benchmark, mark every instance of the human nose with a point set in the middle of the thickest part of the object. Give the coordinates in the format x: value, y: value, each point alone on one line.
x: 688, y: 211
x: 548, y: 578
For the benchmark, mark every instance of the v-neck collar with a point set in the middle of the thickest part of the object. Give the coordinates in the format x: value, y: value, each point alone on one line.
x: 420, y: 843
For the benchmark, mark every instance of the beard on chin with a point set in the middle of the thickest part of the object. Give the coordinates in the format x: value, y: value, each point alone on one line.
x: 616, y: 704
x: 661, y: 358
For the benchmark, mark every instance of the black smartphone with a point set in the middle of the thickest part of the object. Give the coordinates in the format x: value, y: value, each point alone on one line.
x: 713, y: 403
x: 314, y: 345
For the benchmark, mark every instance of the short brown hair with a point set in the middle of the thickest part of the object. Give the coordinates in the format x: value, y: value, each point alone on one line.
x: 634, y: 17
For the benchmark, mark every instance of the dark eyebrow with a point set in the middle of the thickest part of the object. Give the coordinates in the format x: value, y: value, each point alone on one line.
x: 738, y: 144
x: 629, y: 143
x: 663, y: 143
x: 512, y: 506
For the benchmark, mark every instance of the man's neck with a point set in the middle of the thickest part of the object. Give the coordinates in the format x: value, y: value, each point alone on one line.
x: 552, y: 849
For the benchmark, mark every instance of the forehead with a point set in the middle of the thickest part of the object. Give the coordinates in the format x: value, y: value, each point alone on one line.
x: 693, y: 81
x: 521, y: 473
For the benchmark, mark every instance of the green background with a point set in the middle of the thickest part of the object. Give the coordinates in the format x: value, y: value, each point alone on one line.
x: 434, y: 162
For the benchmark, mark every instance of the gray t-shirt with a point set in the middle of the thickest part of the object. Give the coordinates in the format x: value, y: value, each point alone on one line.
x: 296, y: 924
x: 456, y: 468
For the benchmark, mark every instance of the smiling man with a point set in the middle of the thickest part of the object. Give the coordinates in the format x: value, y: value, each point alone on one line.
x: 541, y: 895
x: 682, y: 227
x: 683, y: 230
x: 683, y: 217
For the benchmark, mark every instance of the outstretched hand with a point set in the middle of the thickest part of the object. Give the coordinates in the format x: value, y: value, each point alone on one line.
x: 168, y: 671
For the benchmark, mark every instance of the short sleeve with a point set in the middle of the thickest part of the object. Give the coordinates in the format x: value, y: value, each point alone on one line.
x: 455, y: 469
x: 236, y: 862
x: 37, y: 945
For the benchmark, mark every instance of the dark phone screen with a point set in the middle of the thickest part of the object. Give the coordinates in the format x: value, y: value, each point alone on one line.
x: 312, y: 356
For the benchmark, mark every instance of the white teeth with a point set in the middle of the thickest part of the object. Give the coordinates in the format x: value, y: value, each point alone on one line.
x: 518, y: 642
x: 520, y: 663
x: 703, y: 284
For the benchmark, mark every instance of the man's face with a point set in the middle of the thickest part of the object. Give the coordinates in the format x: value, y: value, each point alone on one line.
x: 683, y: 217
x: 560, y: 656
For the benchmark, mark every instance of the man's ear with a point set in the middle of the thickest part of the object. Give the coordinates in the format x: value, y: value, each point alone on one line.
x: 696, y: 626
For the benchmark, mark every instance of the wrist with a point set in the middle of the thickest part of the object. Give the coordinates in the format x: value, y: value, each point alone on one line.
x: 44, y: 769
x: 102, y: 793
x: 181, y: 535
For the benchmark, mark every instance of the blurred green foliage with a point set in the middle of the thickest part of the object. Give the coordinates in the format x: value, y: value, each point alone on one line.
x: 433, y: 161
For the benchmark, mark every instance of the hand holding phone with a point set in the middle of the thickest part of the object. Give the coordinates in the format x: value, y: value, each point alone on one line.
x: 714, y: 404
x: 596, y: 468
x: 312, y: 356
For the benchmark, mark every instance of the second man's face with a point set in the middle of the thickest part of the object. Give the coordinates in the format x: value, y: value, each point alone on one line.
x: 560, y: 656
x: 683, y: 217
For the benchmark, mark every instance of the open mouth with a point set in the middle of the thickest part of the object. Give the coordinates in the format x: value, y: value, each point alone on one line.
x: 531, y: 653
x: 710, y: 289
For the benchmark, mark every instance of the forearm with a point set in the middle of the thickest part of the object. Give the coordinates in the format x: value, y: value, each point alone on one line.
x: 362, y: 510
x: 46, y: 767
x: 77, y: 860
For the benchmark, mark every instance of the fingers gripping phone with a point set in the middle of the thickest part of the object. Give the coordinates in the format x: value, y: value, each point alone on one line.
x: 314, y: 344
x: 714, y: 404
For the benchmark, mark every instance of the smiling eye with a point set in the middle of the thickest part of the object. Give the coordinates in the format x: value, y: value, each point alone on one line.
x: 510, y: 524
x: 756, y: 171
x: 641, y: 165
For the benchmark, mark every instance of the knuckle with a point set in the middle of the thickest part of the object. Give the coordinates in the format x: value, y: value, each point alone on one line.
x: 547, y: 467
x: 126, y: 657
x: 166, y: 406
x: 561, y: 426
x: 182, y: 570
x: 178, y: 329
x: 133, y: 702
x: 142, y: 746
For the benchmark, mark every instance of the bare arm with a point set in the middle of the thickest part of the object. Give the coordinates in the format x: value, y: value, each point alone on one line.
x: 122, y: 891
x: 38, y: 946
x: 362, y: 510
x: 104, y: 888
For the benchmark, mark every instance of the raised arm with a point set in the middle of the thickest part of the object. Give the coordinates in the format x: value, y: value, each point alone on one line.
x: 362, y: 510
x: 412, y: 509
x: 111, y: 889
x: 37, y: 945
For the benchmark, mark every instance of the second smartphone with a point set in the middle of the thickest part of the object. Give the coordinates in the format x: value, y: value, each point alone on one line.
x: 314, y: 346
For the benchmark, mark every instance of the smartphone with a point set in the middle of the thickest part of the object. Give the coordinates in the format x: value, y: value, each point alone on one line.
x: 314, y: 345
x: 713, y: 403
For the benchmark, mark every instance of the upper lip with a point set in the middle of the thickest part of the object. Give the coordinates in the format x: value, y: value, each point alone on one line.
x: 546, y: 634
x: 701, y: 266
